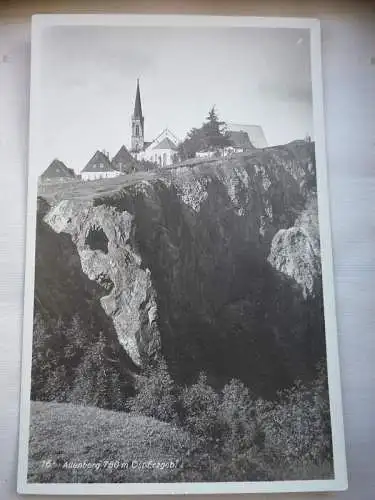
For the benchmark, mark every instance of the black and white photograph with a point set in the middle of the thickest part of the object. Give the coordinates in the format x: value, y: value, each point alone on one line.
x: 179, y: 318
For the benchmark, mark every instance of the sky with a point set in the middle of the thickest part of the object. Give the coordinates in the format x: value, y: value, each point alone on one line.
x: 254, y: 76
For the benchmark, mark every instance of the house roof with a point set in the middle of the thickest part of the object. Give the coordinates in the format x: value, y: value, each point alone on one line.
x: 57, y: 169
x: 122, y: 156
x: 255, y: 133
x: 98, y: 163
x: 138, y: 105
x: 240, y: 139
x: 166, y: 143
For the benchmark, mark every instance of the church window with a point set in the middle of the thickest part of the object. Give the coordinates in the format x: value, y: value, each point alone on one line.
x: 164, y: 158
x: 137, y: 130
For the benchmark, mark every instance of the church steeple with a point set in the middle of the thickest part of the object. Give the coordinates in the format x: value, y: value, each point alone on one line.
x: 137, y: 123
x: 138, y: 105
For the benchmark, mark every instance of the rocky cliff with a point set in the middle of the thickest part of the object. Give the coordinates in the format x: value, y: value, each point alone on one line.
x: 212, y: 266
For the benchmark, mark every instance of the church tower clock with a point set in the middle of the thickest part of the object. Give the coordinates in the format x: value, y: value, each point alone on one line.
x: 137, y: 123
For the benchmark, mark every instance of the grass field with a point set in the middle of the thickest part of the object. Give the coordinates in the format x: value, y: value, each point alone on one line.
x: 78, y: 189
x: 62, y: 435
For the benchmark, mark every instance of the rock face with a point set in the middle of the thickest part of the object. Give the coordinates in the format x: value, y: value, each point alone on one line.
x: 294, y: 254
x: 104, y: 239
x: 203, y: 264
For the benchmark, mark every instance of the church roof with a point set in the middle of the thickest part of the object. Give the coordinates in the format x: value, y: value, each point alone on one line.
x: 122, y: 156
x: 98, y: 163
x: 240, y: 139
x: 166, y: 143
x: 57, y: 169
x: 138, y: 105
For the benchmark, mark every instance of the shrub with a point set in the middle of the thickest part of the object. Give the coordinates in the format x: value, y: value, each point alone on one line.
x: 200, y: 410
x: 156, y: 394
x: 297, y: 428
x: 238, y: 437
x: 237, y: 413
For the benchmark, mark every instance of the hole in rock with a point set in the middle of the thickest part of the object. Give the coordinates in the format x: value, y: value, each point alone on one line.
x: 96, y: 239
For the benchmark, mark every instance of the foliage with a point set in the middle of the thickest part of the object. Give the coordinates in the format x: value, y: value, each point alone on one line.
x: 156, y: 395
x: 143, y: 166
x: 211, y: 136
x: 297, y: 428
x: 56, y: 349
x: 237, y: 436
x: 96, y: 382
x: 200, y: 410
x: 237, y: 412
x: 70, y: 364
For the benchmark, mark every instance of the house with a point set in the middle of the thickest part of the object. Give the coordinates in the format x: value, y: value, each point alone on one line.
x: 99, y: 167
x: 123, y: 161
x: 239, y: 142
x: 161, y: 150
x: 254, y: 132
x: 57, y: 171
x: 205, y: 153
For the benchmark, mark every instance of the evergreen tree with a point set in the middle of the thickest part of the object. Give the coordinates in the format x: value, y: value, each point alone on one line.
x: 215, y: 131
x: 212, y: 135
x: 156, y: 394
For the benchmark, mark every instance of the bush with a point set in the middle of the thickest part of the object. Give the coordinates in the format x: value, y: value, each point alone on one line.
x: 237, y: 413
x: 297, y: 428
x: 200, y: 410
x: 238, y: 437
x: 156, y: 395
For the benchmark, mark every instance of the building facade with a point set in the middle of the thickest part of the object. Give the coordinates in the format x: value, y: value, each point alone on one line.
x: 99, y: 167
x: 162, y: 150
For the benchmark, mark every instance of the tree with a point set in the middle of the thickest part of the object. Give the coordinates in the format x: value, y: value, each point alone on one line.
x: 200, y: 406
x: 215, y: 131
x: 237, y: 412
x: 49, y: 376
x: 97, y: 382
x: 212, y: 136
x: 156, y: 394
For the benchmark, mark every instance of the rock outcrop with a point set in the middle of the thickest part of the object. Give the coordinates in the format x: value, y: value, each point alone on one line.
x: 293, y: 254
x: 202, y: 265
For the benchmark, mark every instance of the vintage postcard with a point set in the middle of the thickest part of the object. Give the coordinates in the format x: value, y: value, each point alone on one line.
x: 179, y: 318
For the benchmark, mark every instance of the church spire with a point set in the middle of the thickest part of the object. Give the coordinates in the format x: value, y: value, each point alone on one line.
x: 138, y: 123
x: 138, y: 105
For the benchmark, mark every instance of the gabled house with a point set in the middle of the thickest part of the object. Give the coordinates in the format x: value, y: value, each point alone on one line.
x: 255, y: 133
x: 57, y: 171
x: 240, y: 140
x: 123, y: 161
x: 99, y: 167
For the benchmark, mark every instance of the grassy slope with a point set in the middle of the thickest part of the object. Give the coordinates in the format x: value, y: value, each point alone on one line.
x: 63, y: 432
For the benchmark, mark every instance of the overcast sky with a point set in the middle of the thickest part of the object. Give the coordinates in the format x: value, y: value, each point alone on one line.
x: 257, y: 76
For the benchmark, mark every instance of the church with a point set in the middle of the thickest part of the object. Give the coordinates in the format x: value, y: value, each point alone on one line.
x: 162, y: 150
